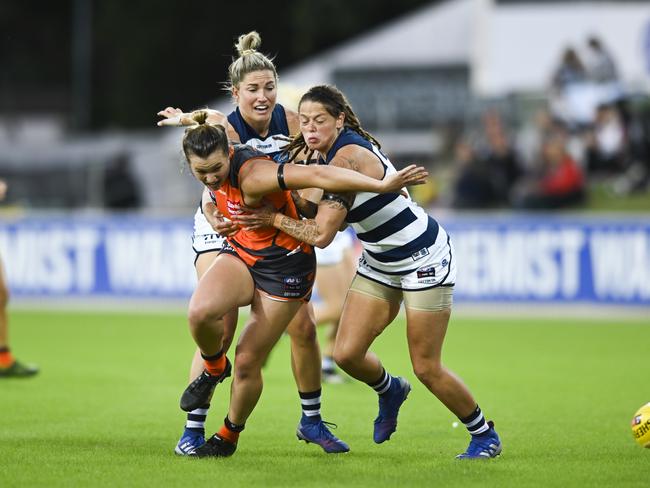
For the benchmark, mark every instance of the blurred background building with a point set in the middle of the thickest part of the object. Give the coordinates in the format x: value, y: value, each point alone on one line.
x: 514, y: 106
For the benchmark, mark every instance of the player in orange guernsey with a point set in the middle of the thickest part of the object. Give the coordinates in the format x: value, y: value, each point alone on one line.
x: 268, y: 270
x: 10, y: 367
x: 260, y: 122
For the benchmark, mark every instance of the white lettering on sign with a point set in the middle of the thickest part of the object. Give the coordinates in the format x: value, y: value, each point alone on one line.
x: 620, y: 261
x: 532, y: 263
x: 150, y: 261
x: 56, y: 260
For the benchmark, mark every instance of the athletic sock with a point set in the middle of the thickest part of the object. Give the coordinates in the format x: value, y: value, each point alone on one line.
x: 310, y: 402
x: 382, y: 385
x: 328, y: 365
x: 6, y: 358
x: 215, y: 364
x: 475, y: 422
x: 196, y: 419
x: 230, y: 432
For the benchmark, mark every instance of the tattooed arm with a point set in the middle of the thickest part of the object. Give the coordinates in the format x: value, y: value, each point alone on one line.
x: 319, y: 231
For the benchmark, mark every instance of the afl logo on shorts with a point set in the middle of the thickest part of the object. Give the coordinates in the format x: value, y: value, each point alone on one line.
x: 292, y: 283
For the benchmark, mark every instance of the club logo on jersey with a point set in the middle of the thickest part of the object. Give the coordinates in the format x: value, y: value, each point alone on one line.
x: 420, y: 254
x: 428, y: 272
x: 444, y: 262
x: 234, y: 208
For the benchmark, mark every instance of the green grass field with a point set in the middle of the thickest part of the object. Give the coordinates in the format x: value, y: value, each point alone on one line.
x: 104, y: 410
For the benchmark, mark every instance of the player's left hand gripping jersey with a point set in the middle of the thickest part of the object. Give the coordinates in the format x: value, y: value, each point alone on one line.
x: 253, y: 246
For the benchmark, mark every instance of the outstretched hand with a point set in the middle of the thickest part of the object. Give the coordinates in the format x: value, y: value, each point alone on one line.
x: 175, y: 117
x: 411, y: 175
x: 172, y: 117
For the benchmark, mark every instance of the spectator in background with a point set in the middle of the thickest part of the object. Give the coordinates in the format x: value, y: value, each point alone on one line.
x: 121, y: 190
x: 600, y: 64
x: 531, y: 136
x: 500, y: 157
x: 473, y: 187
x: 486, y: 177
x: 560, y: 182
x: 572, y: 95
x: 606, y: 142
x: 602, y: 71
x: 10, y: 367
x: 569, y: 73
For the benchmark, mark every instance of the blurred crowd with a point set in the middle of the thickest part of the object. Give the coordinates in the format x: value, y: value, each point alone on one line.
x: 588, y: 131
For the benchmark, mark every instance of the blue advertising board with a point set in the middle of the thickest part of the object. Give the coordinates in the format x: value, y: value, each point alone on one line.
x: 500, y: 258
x: 541, y: 258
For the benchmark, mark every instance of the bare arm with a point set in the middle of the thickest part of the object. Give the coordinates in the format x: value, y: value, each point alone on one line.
x: 261, y: 177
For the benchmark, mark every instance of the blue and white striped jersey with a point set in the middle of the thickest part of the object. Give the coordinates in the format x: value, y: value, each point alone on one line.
x: 394, y: 230
x: 269, y: 145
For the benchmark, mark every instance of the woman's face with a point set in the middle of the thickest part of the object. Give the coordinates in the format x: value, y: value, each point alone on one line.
x: 318, y: 127
x: 256, y: 95
x: 211, y: 171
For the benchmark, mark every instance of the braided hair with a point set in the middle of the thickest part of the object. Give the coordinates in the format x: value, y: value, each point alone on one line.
x: 335, y: 103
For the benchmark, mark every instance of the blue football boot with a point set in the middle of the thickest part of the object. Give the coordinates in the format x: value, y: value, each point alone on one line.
x: 317, y: 432
x: 189, y: 441
x: 483, y: 446
x: 389, y: 405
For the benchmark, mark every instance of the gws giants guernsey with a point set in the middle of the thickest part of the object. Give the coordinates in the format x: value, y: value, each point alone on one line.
x: 261, y: 244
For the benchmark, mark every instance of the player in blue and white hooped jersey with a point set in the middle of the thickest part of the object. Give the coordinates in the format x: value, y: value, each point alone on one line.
x: 407, y: 256
x: 259, y: 121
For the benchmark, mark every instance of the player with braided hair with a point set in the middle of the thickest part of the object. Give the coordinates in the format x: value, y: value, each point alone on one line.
x: 407, y: 256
